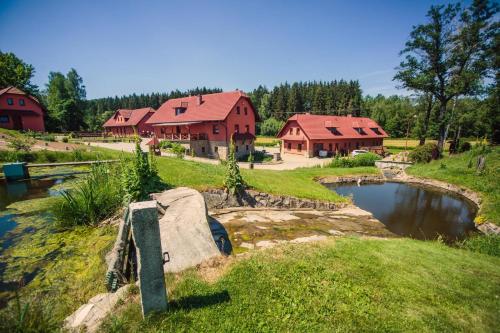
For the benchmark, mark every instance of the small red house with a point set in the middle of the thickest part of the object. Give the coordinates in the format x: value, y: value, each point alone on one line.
x: 130, y: 122
x: 307, y: 134
x: 20, y: 111
x: 205, y: 124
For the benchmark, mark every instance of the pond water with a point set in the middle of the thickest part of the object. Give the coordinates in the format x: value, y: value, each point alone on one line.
x: 11, y: 192
x: 414, y: 211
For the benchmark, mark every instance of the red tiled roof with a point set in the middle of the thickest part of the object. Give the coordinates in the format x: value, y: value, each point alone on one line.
x: 16, y: 91
x: 317, y: 127
x: 213, y: 107
x: 132, y: 117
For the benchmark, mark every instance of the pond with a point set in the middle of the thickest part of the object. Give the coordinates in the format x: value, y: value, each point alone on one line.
x: 11, y: 192
x: 414, y: 211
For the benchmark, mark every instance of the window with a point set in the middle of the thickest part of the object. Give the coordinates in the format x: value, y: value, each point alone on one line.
x: 203, y: 149
x: 245, y: 110
x: 216, y: 149
x: 236, y: 148
x: 21, y: 102
x: 237, y: 128
x: 10, y: 101
x: 360, y: 130
x: 330, y: 147
x: 179, y: 111
x: 162, y: 130
x: 247, y: 128
x: 291, y: 131
x: 297, y: 131
x: 299, y: 147
x: 215, y: 129
x: 237, y: 110
x: 376, y: 130
x: 4, y: 119
x: 289, y: 146
x: 246, y: 147
x: 335, y: 131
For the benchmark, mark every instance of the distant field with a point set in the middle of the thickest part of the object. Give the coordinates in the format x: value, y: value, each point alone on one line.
x: 266, y: 139
x: 413, y: 142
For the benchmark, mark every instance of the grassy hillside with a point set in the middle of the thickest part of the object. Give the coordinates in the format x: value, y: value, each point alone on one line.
x: 455, y: 170
x: 344, y: 285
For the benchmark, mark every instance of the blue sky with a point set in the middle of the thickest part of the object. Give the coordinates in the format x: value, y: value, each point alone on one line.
x: 122, y: 47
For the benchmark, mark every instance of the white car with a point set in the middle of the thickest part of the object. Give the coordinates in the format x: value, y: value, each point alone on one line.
x: 358, y: 152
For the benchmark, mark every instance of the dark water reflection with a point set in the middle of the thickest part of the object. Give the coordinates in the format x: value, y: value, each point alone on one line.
x: 415, y: 211
x: 11, y: 192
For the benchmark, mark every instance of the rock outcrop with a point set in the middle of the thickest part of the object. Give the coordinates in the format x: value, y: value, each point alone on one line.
x: 218, y: 199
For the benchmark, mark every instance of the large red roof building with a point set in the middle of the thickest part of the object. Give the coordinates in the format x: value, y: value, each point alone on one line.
x: 20, y: 111
x: 307, y: 134
x: 205, y: 124
x: 130, y: 122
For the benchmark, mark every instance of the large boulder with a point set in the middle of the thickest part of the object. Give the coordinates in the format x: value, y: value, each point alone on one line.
x: 184, y: 229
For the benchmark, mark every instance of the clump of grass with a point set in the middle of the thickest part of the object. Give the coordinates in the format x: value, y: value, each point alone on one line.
x: 93, y: 199
x: 486, y: 244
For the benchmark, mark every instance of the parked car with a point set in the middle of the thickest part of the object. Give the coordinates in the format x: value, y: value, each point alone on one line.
x: 358, y: 152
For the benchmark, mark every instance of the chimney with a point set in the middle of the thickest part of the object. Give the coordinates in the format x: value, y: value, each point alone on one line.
x: 199, y: 100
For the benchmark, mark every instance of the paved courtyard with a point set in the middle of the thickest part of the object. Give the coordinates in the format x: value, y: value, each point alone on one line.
x: 289, y: 161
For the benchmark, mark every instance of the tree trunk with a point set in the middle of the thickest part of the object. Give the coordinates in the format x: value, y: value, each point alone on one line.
x: 442, y: 125
x: 426, y: 120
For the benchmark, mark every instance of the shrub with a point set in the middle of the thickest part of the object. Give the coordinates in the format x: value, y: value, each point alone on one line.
x: 487, y: 244
x: 178, y: 149
x: 21, y: 143
x: 367, y: 159
x: 464, y: 146
x: 360, y: 160
x: 96, y: 197
x: 165, y: 144
x: 233, y: 180
x: 65, y: 139
x: 424, y: 153
x: 140, y: 177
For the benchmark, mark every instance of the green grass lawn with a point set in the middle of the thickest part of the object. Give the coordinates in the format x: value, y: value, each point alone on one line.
x: 342, y: 285
x: 455, y: 170
x: 299, y: 182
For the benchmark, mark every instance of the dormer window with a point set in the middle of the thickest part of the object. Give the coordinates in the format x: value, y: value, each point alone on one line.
x: 21, y: 102
x: 376, y: 130
x: 335, y: 131
x: 360, y: 130
x: 179, y: 111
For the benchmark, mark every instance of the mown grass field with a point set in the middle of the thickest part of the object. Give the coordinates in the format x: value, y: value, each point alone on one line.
x: 342, y: 285
x: 455, y: 170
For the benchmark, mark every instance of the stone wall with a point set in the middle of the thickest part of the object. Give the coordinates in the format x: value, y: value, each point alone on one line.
x: 216, y: 199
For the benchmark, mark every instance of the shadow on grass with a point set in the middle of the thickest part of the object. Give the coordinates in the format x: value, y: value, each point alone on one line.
x: 199, y: 301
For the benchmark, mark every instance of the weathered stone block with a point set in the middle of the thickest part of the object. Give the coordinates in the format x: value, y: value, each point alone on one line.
x: 146, y: 235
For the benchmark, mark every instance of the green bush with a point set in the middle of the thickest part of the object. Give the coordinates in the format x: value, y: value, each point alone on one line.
x: 464, y: 146
x: 233, y: 181
x: 140, y: 177
x: 360, y: 160
x: 487, y: 244
x: 424, y: 153
x: 257, y: 156
x: 65, y: 139
x: 97, y: 196
x: 165, y: 144
x: 20, y: 143
x: 178, y: 150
